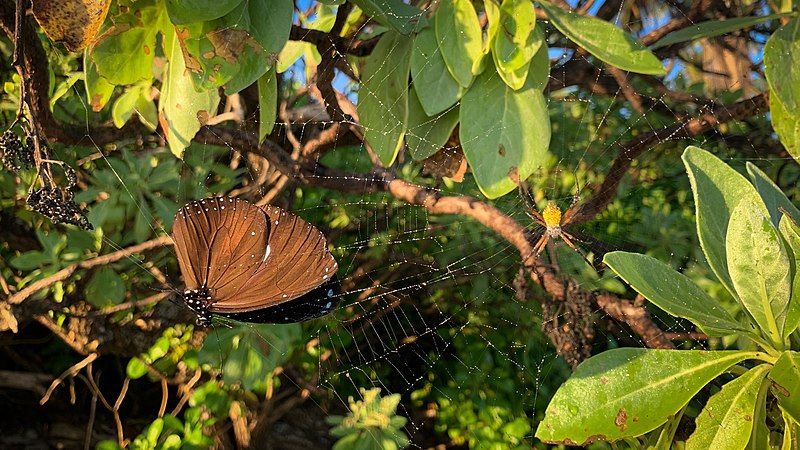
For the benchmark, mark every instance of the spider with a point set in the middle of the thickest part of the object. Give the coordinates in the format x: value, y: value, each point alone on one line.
x: 553, y: 221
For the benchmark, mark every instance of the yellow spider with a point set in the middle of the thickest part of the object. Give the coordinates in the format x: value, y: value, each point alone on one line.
x: 553, y: 222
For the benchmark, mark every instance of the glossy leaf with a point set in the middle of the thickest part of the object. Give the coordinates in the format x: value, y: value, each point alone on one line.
x: 436, y: 89
x: 627, y: 392
x: 515, y: 77
x: 717, y: 190
x: 383, y: 95
x: 395, y: 14
x: 786, y: 388
x: 182, y: 110
x: 518, y: 37
x: 460, y: 39
x: 711, y: 28
x: 188, y: 11
x: 673, y: 292
x: 727, y: 419
x: 772, y: 196
x: 787, y: 126
x: 505, y: 133
x: 270, y: 23
x: 124, y: 53
x: 267, y: 103
x: 604, y: 40
x: 781, y: 54
x: 791, y: 233
x: 759, y: 268
x: 427, y: 135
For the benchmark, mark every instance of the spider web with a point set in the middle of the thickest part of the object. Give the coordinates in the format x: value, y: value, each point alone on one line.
x: 431, y: 309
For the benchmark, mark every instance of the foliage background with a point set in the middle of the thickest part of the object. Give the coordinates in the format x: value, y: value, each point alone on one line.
x: 434, y: 308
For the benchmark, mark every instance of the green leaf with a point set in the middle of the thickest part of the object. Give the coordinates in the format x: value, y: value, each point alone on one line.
x: 146, y: 110
x: 518, y: 37
x: 267, y: 103
x: 30, y: 260
x: 395, y: 14
x: 781, y: 54
x: 786, y: 125
x: 717, y: 190
x: 436, y: 89
x: 727, y: 419
x: 604, y: 40
x: 290, y: 53
x: 105, y: 288
x: 791, y: 233
x: 460, y: 39
x: 222, y: 52
x: 627, y: 392
x: 182, y: 108
x: 673, y: 292
x: 250, y: 352
x: 125, y: 105
x: 427, y: 135
x: 98, y: 89
x: 136, y: 368
x: 124, y: 55
x: 786, y: 388
x: 65, y: 87
x: 515, y: 77
x: 383, y: 95
x: 539, y: 71
x: 188, y: 11
x: 759, y: 268
x: 501, y: 155
x: 270, y: 23
x: 711, y: 28
x: 773, y: 197
x: 790, y: 432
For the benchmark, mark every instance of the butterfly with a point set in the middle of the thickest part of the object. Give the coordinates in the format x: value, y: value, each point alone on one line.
x: 252, y: 263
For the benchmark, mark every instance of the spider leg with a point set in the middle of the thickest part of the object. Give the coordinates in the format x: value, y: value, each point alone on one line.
x: 568, y: 238
x: 541, y: 243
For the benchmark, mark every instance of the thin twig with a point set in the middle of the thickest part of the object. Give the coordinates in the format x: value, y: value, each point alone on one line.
x: 71, y: 372
x: 102, y: 260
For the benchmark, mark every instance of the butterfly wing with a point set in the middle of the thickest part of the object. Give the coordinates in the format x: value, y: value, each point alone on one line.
x: 220, y: 243
x: 297, y: 262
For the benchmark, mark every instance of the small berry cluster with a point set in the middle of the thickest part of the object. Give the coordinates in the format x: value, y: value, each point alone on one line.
x: 55, y: 203
x: 14, y: 153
